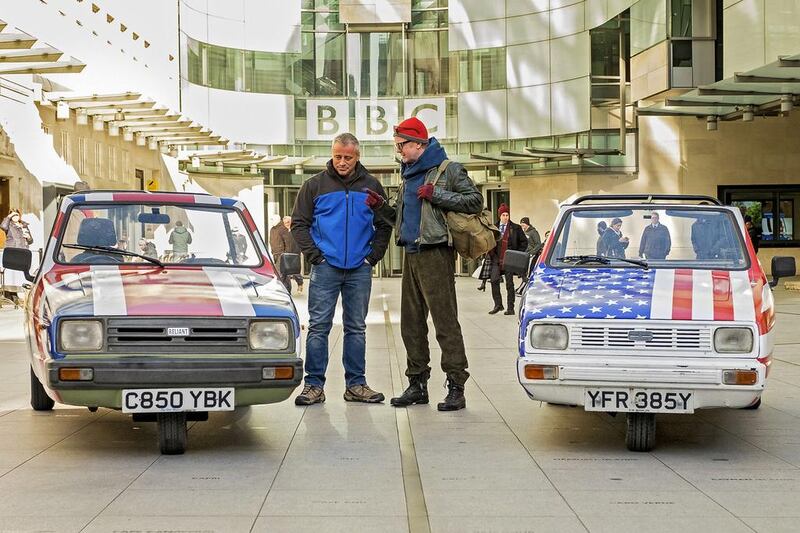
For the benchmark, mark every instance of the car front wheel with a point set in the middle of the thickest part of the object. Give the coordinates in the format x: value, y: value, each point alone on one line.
x: 40, y: 401
x: 641, y: 435
x: 172, y: 433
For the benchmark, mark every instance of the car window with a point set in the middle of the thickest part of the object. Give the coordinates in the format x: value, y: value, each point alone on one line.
x: 683, y: 237
x: 183, y: 234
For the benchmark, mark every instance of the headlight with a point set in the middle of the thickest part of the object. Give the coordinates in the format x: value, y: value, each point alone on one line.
x: 80, y: 336
x: 269, y: 335
x: 733, y: 340
x: 549, y: 336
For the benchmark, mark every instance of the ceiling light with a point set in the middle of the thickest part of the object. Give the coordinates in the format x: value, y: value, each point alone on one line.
x: 139, y: 138
x: 113, y: 129
x: 118, y: 115
x: 787, y: 102
x: 163, y: 148
x: 711, y: 123
x: 82, y: 117
x: 127, y: 134
x: 152, y: 143
x: 748, y: 114
x: 97, y: 123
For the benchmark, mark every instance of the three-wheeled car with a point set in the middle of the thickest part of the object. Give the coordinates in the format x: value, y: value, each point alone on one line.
x: 648, y: 304
x: 162, y: 305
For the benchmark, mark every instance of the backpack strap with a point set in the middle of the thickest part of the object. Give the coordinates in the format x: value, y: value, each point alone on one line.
x: 439, y: 171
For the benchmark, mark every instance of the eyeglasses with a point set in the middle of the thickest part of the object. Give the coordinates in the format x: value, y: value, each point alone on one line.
x: 400, y: 146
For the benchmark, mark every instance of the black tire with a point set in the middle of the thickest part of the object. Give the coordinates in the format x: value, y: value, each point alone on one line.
x: 40, y: 401
x: 172, y: 433
x: 641, y: 435
x: 754, y: 406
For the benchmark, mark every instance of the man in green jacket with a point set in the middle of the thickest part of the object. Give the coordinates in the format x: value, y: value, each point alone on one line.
x: 429, y: 267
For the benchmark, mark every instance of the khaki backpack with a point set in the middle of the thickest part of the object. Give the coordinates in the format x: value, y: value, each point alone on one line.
x: 471, y: 235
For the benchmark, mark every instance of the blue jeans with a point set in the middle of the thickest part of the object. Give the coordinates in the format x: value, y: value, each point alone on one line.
x: 327, y: 282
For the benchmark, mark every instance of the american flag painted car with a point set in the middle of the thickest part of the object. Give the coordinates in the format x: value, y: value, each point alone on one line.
x: 646, y: 307
x: 163, y: 305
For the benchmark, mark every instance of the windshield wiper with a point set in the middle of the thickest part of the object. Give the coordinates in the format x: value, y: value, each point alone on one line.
x: 583, y: 259
x: 116, y: 251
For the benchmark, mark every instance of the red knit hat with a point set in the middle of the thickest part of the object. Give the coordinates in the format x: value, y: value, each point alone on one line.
x: 502, y: 209
x: 412, y: 129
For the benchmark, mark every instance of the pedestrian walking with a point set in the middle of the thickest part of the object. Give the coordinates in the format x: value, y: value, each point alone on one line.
x: 428, y: 285
x: 534, y: 240
x: 282, y: 241
x: 511, y: 238
x: 342, y: 239
x: 180, y: 239
x: 18, y: 235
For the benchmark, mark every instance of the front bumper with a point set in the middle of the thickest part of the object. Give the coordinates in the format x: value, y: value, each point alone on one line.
x: 702, y: 376
x: 150, y: 372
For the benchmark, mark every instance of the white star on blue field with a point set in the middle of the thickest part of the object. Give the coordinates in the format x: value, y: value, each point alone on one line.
x: 590, y: 293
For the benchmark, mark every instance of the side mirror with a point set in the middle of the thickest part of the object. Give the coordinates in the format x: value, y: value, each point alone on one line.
x: 18, y: 259
x: 517, y: 263
x: 782, y: 267
x: 289, y: 264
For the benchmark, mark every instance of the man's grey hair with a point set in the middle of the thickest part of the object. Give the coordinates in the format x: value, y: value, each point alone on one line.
x: 346, y: 139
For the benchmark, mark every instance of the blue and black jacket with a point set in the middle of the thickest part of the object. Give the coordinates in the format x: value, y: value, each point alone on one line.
x: 331, y: 220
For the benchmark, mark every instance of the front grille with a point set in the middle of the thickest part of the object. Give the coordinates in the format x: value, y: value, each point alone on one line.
x: 678, y: 338
x: 147, y: 335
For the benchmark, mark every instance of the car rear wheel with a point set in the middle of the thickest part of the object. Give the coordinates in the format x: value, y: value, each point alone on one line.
x: 172, y: 433
x: 641, y: 435
x: 40, y: 401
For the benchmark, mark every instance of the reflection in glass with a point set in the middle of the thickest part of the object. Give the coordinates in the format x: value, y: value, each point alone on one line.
x: 323, y: 64
x: 428, y: 63
x: 375, y: 64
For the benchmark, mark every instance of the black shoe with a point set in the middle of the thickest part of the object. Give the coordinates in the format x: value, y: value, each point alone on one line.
x: 509, y: 311
x: 455, y: 398
x: 497, y: 309
x: 417, y: 392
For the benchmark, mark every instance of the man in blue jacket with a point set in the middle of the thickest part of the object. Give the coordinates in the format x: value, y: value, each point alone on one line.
x: 343, y: 240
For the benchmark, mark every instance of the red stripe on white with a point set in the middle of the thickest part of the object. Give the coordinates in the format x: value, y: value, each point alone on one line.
x: 682, y: 295
x: 178, y: 292
x: 723, y: 297
x: 154, y: 197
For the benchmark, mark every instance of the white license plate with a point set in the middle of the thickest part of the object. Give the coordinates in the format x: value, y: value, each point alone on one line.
x: 177, y: 400
x: 639, y: 400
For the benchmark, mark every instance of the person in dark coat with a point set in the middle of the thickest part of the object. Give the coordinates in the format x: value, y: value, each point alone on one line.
x: 512, y: 238
x: 655, y: 242
x: 753, y: 232
x: 601, y: 228
x: 613, y: 242
x: 282, y: 242
x: 704, y: 239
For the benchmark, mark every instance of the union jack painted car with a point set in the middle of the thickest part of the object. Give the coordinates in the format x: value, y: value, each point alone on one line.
x: 162, y: 305
x: 645, y: 305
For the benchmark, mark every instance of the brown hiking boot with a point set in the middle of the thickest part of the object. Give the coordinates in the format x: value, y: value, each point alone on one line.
x: 310, y: 396
x: 362, y: 393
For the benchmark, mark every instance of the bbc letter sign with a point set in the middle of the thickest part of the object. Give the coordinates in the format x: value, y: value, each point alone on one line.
x: 373, y: 118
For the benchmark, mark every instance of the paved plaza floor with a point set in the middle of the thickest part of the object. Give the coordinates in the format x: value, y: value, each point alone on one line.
x: 506, y: 463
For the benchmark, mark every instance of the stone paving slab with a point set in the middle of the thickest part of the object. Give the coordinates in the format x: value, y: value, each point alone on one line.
x: 506, y: 463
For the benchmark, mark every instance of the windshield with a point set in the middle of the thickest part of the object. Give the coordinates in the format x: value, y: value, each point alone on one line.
x: 682, y: 237
x: 160, y: 234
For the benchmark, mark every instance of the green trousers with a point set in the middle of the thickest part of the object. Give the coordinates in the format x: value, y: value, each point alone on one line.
x: 429, y: 287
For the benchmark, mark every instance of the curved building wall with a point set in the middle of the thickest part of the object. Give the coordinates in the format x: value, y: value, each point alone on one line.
x: 477, y: 71
x: 227, y: 36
